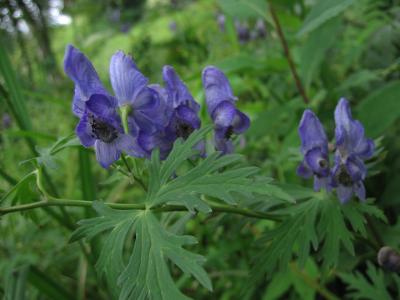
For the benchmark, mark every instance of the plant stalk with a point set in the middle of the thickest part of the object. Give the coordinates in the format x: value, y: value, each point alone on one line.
x: 135, y: 206
x: 286, y: 50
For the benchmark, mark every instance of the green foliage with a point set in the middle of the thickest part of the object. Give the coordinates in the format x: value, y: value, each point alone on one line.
x: 15, y: 100
x: 322, y: 12
x: 314, y: 50
x: 216, y: 176
x: 46, y: 155
x: 340, y: 48
x: 244, y: 9
x: 371, y: 109
x: 371, y: 287
x: 146, y: 275
x: 320, y: 223
x: 21, y: 192
x: 294, y: 278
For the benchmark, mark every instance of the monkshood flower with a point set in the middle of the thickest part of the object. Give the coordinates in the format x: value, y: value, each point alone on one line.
x: 184, y: 119
x: 227, y: 119
x: 132, y: 90
x: 352, y: 148
x: 100, y: 126
x: 181, y: 109
x: 81, y: 71
x: 314, y: 147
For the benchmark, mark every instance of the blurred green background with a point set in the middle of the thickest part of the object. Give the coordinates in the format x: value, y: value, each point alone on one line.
x: 340, y: 48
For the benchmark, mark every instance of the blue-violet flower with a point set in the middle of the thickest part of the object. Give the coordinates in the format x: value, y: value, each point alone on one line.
x: 180, y: 108
x: 100, y: 125
x: 131, y: 88
x: 228, y: 120
x: 79, y: 68
x: 352, y: 148
x: 314, y: 147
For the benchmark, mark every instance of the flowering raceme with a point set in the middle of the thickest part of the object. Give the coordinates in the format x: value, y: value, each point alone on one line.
x: 352, y: 148
x: 156, y: 115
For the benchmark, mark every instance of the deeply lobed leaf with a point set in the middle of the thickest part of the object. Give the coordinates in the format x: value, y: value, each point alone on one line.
x: 146, y: 274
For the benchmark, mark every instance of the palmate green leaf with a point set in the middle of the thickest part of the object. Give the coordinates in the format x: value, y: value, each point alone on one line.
x: 216, y: 176
x: 355, y: 212
x: 320, y: 222
x: 277, y: 245
x: 373, y: 287
x: 334, y: 233
x: 146, y: 274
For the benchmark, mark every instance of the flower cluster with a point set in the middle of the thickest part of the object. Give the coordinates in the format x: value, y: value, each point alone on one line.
x: 156, y: 115
x: 351, y: 150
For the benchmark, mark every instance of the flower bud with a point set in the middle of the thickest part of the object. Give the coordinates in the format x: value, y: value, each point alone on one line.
x: 389, y: 259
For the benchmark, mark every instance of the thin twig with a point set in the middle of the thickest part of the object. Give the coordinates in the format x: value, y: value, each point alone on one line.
x: 285, y: 46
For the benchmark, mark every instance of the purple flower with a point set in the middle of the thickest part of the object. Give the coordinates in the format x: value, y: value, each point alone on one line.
x: 242, y: 31
x: 352, y: 148
x: 100, y: 126
x: 228, y: 120
x: 314, y: 147
x: 78, y: 67
x: 131, y: 88
x: 179, y: 107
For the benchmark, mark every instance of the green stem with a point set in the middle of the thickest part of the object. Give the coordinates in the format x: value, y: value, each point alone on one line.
x: 135, y: 206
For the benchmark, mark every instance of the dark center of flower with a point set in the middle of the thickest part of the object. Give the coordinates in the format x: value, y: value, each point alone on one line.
x: 344, y: 177
x: 228, y: 133
x: 323, y: 163
x: 183, y: 130
x: 103, y: 131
